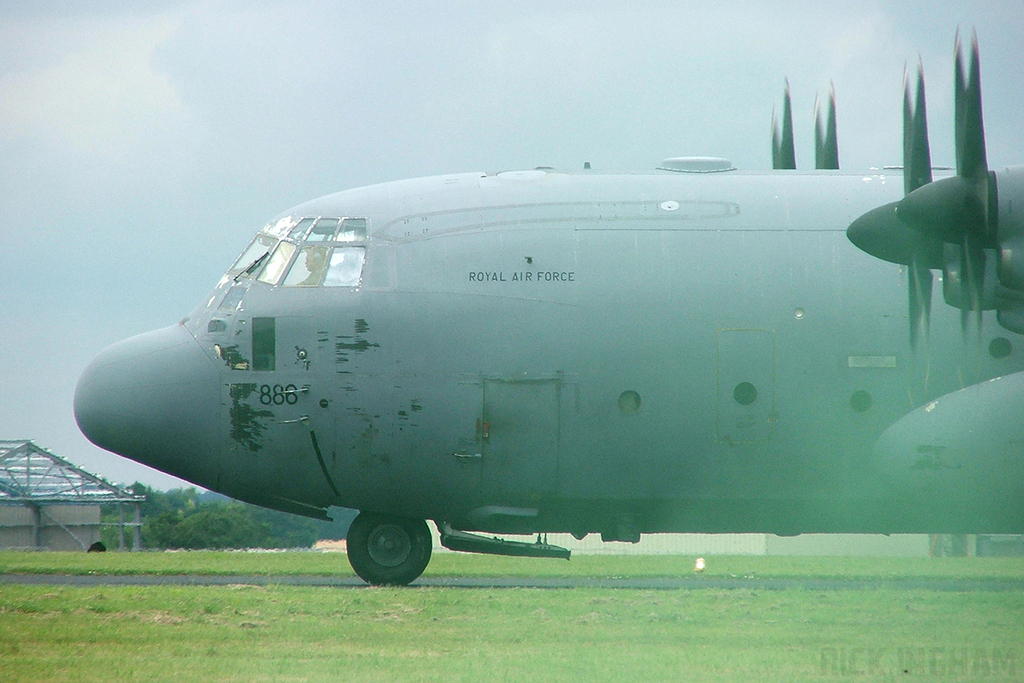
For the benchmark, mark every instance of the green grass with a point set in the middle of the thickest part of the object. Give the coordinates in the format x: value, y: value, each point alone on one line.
x: 448, y: 564
x: 281, y: 633
x: 448, y: 634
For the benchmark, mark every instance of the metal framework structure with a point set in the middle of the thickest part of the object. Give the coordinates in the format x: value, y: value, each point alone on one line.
x: 34, y: 477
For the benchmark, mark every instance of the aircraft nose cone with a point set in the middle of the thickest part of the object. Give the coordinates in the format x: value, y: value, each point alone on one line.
x: 153, y: 398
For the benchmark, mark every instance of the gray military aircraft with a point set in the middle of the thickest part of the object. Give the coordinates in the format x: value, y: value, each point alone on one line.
x: 690, y: 349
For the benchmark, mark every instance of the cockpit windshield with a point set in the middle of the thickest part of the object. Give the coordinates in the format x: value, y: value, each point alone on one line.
x: 311, y: 251
x: 324, y: 230
x: 279, y: 260
x: 308, y: 269
x: 300, y: 229
x: 254, y: 255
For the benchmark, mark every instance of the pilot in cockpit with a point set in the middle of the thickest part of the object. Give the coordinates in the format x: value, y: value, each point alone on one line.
x: 314, y: 260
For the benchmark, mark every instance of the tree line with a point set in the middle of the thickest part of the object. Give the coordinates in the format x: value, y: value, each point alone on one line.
x: 188, y: 519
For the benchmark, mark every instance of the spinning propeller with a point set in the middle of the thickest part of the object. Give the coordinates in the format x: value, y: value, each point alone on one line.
x: 783, y: 154
x: 948, y: 224
x: 826, y: 148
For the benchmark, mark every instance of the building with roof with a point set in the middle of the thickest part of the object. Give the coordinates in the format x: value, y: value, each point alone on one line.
x: 49, y: 503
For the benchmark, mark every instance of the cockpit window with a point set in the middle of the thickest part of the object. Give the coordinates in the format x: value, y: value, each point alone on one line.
x: 352, y: 230
x: 277, y: 263
x: 308, y: 269
x: 310, y: 251
x: 300, y: 229
x: 324, y: 230
x: 280, y: 227
x: 346, y: 267
x: 256, y: 251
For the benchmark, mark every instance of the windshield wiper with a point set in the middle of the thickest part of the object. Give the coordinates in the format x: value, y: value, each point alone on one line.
x: 253, y: 266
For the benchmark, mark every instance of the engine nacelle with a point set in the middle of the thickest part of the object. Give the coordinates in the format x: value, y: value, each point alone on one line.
x: 1011, y: 309
x: 1010, y: 253
x: 1010, y: 227
x: 954, y: 289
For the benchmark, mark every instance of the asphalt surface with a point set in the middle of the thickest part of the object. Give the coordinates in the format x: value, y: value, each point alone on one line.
x: 688, y: 582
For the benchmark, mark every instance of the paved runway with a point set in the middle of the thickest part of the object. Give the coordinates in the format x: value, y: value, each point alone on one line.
x: 687, y: 582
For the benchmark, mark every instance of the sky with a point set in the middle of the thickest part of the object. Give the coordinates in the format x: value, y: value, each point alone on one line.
x: 143, y: 144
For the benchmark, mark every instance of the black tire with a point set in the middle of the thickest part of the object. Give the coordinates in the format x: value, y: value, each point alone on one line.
x: 388, y: 551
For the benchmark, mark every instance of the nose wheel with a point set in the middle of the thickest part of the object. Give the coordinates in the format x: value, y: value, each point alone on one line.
x: 388, y: 551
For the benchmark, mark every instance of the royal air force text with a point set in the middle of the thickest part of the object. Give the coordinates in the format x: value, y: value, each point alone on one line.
x: 523, y: 276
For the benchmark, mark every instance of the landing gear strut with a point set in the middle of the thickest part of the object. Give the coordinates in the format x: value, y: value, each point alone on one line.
x: 388, y: 551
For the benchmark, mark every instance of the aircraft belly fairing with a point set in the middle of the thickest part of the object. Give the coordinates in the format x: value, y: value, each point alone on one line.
x: 966, y: 449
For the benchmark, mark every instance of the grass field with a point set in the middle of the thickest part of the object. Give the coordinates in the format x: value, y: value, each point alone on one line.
x: 461, y: 564
x: 280, y: 633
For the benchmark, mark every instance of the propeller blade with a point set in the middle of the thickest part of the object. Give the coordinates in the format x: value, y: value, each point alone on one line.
x: 972, y: 167
x: 826, y: 146
x: 917, y: 172
x: 919, y: 299
x: 819, y: 135
x: 783, y: 154
x: 776, y: 142
x: 917, y: 159
x: 952, y: 207
x: 973, y: 259
x: 971, y: 160
x: 952, y: 275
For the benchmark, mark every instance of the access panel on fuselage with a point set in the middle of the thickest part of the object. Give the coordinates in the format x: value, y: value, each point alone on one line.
x: 520, y: 440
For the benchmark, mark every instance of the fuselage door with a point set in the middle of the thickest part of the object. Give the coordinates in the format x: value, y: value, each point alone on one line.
x: 520, y: 433
x: 745, y: 406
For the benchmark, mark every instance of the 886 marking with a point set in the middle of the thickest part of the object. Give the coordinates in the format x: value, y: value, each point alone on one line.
x: 278, y: 395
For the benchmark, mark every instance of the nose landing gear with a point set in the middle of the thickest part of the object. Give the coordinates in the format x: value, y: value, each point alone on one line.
x: 388, y: 551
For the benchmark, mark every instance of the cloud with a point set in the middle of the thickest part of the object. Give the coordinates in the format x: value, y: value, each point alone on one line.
x: 101, y: 96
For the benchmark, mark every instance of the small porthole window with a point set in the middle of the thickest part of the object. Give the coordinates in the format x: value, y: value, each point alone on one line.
x: 860, y: 401
x: 629, y: 401
x: 1000, y: 347
x: 745, y: 393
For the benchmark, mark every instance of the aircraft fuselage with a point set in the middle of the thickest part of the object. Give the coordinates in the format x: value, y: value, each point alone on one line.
x: 538, y: 351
